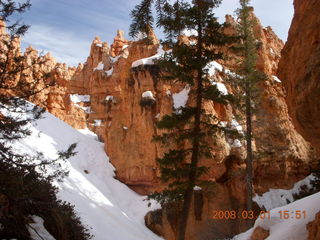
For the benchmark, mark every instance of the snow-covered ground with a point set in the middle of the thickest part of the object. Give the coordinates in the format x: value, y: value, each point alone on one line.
x: 110, y: 208
x: 280, y: 197
x: 292, y: 228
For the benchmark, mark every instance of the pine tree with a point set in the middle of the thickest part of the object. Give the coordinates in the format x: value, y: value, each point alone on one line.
x: 246, y: 84
x: 25, y: 183
x: 190, y: 130
x: 16, y: 85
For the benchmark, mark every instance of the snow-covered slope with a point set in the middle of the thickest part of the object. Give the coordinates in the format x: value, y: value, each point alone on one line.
x: 292, y: 228
x: 110, y: 208
x: 280, y: 197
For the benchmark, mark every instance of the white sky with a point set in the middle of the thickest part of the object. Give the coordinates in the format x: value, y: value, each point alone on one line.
x: 66, y: 28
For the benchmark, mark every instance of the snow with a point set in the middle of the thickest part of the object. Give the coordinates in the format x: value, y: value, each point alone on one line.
x: 125, y: 46
x: 193, y: 42
x: 98, y: 44
x: 212, y: 67
x: 280, y: 197
x: 236, y: 143
x: 148, y: 60
x: 221, y: 87
x: 180, y: 99
x: 291, y: 228
x: 236, y: 126
x: 35, y: 229
x: 109, y: 72
x: 223, y: 124
x: 109, y: 98
x: 114, y: 59
x: 86, y: 109
x: 148, y: 94
x: 276, y: 79
x: 272, y: 52
x: 190, y: 32
x: 125, y: 128
x: 99, y: 67
x: 76, y: 98
x: 140, y: 36
x: 97, y: 122
x: 197, y: 188
x: 110, y: 208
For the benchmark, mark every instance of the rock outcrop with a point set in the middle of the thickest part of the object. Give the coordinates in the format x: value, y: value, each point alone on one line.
x: 56, y: 99
x: 119, y: 43
x: 286, y: 154
x: 314, y: 228
x: 259, y: 234
x: 299, y: 69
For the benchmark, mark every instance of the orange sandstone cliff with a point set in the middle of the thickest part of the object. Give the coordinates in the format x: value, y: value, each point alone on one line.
x: 299, y: 69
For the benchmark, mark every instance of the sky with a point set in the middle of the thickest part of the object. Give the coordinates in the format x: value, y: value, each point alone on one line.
x: 66, y: 28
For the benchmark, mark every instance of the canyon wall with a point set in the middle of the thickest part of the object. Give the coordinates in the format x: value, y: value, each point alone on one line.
x: 299, y: 69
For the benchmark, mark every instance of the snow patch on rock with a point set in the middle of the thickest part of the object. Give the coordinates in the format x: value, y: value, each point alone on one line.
x: 236, y: 126
x: 180, y: 99
x: 148, y: 94
x: 190, y: 32
x: 109, y: 72
x: 149, y: 60
x: 221, y: 87
x: 97, y: 122
x: 276, y: 79
x: 76, y: 98
x: 99, y: 67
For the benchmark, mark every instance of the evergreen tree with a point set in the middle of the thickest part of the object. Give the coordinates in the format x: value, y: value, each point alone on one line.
x: 17, y: 85
x: 190, y: 130
x: 246, y: 84
x: 25, y: 182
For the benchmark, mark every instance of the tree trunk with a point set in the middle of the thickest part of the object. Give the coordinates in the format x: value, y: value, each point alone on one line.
x: 249, y: 159
x: 195, y: 148
x: 248, y: 91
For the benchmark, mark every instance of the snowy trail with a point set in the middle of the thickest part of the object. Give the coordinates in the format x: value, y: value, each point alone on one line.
x: 110, y: 208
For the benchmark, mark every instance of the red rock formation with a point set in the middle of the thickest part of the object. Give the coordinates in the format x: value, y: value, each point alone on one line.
x: 287, y: 154
x: 55, y: 99
x: 259, y: 234
x: 314, y: 228
x: 299, y: 69
x: 2, y: 28
x: 119, y: 44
